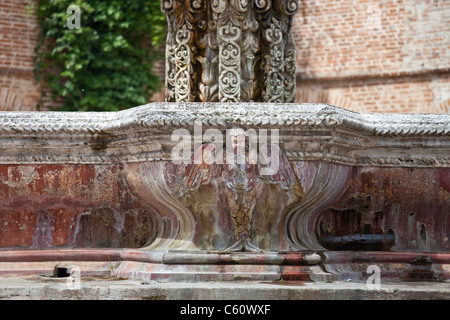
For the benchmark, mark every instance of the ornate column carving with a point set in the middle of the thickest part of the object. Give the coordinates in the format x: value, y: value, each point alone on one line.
x: 230, y: 50
x: 184, y: 19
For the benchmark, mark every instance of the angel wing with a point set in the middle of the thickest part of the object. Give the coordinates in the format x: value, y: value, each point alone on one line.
x: 200, y: 174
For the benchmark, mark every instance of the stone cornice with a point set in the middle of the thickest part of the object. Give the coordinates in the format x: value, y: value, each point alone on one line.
x: 307, y: 132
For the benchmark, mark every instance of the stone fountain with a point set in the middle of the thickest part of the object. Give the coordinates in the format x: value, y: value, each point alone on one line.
x: 110, y: 192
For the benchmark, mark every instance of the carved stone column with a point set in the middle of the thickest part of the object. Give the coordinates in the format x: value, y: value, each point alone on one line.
x: 230, y: 50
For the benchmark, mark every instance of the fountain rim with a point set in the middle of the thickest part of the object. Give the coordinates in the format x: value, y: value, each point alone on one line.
x: 178, y: 114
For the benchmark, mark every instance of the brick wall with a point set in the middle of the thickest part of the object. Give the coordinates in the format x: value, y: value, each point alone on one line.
x: 367, y: 56
x: 18, y: 38
x: 374, y: 56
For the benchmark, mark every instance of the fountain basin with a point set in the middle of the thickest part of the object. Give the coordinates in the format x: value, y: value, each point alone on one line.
x: 96, y: 181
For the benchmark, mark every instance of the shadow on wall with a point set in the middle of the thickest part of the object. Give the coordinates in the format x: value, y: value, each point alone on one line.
x: 445, y: 106
x: 9, y: 101
x: 308, y: 95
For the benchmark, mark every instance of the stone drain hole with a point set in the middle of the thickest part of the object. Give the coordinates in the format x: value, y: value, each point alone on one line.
x: 61, y: 272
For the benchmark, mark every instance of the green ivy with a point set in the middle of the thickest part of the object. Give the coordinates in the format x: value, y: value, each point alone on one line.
x: 107, y: 64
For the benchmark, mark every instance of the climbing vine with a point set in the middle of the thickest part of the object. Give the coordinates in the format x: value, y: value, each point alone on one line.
x: 106, y: 62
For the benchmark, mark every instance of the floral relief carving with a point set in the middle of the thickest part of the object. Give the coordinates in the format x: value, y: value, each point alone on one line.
x: 230, y: 51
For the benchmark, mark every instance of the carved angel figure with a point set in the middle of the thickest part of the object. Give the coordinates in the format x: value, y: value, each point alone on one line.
x: 241, y: 179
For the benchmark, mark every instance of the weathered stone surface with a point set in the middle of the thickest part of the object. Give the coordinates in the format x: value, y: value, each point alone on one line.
x: 71, y: 180
x: 411, y: 204
x: 108, y: 228
x: 40, y: 288
x: 46, y: 206
x: 211, y: 216
x: 307, y: 132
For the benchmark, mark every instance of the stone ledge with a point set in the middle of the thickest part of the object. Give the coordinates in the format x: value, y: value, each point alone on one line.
x: 36, y: 288
x: 307, y: 132
x: 200, y: 266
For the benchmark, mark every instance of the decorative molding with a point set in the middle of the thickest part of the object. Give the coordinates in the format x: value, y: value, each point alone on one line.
x: 239, y: 186
x: 330, y: 183
x: 176, y: 224
x: 307, y: 132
